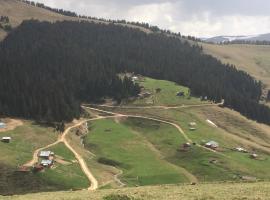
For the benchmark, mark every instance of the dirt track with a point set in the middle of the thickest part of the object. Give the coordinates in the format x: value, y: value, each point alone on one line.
x: 62, y: 138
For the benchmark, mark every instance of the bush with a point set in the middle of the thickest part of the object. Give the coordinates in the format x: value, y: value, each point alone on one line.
x: 118, y: 197
x: 110, y: 162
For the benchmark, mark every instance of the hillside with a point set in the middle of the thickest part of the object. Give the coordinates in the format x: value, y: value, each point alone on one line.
x: 147, y: 107
x: 227, y: 191
x: 254, y: 59
x: 18, y: 11
x: 222, y: 39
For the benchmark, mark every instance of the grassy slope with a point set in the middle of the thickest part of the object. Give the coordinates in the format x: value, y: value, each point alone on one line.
x: 228, y: 191
x: 18, y: 11
x: 167, y: 95
x: 254, y: 59
x: 141, y: 163
x: 25, y: 139
x: 234, y: 130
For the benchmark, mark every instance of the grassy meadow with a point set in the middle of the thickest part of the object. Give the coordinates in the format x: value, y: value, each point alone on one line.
x: 117, y: 145
x: 167, y: 96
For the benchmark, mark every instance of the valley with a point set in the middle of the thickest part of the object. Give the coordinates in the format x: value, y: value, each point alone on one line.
x: 113, y: 110
x: 129, y: 145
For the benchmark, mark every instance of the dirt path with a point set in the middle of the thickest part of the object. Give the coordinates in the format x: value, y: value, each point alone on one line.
x: 62, y: 138
x: 158, y: 120
x: 155, y: 107
x: 189, y: 175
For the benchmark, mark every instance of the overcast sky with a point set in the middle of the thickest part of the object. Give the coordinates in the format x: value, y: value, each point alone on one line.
x: 201, y: 18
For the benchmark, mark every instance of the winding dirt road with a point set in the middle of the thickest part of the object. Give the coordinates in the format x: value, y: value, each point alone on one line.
x: 62, y: 138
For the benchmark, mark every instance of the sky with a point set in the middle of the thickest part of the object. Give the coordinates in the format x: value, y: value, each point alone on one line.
x: 200, y: 18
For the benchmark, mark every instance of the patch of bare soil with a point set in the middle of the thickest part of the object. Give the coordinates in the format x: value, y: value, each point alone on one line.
x: 11, y: 124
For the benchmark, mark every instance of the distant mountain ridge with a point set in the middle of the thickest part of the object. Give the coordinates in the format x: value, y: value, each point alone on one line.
x: 221, y: 39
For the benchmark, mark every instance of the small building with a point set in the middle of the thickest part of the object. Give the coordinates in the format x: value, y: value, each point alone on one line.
x: 6, y: 139
x: 254, y: 156
x: 46, y: 154
x: 145, y: 94
x: 212, y: 145
x: 2, y: 125
x: 192, y: 128
x: 240, y: 149
x: 192, y: 124
x: 186, y: 145
x: 46, y: 163
x: 134, y: 78
x: 180, y: 94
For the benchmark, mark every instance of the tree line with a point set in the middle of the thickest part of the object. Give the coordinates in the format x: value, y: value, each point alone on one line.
x: 4, y: 23
x: 145, y: 25
x: 251, y: 42
x: 48, y: 69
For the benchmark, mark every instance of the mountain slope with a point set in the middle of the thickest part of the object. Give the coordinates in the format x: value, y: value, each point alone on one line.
x: 254, y: 59
x: 18, y: 11
x: 226, y: 191
x: 221, y: 39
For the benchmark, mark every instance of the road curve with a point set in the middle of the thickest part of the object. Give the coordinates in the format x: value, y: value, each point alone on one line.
x: 62, y: 138
x: 158, y: 120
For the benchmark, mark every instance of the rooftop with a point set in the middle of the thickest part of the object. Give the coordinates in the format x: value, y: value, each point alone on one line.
x: 6, y: 138
x: 212, y: 143
x: 46, y: 162
x: 45, y: 153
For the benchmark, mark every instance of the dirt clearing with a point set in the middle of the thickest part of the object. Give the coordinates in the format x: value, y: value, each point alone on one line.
x: 11, y: 124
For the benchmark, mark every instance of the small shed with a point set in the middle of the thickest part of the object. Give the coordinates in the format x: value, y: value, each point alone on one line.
x: 254, y: 156
x: 135, y: 78
x: 46, y: 154
x: 240, y: 149
x: 186, y: 145
x: 192, y: 124
x: 46, y: 163
x: 6, y: 139
x: 2, y: 125
x: 212, y: 145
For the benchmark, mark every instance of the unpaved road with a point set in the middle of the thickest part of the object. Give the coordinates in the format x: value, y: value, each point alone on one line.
x: 62, y: 138
x: 83, y: 165
x: 155, y: 107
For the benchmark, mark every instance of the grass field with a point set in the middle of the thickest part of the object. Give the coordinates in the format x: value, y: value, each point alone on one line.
x: 225, y: 191
x: 254, y: 59
x: 26, y: 139
x: 128, y: 150
x: 167, y: 95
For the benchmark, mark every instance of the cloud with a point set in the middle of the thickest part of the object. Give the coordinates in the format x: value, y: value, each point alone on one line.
x: 190, y: 17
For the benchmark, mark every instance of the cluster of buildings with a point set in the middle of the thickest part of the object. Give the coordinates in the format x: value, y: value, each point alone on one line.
x: 46, y: 160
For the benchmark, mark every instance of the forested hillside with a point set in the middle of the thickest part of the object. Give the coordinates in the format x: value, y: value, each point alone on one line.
x: 53, y: 67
